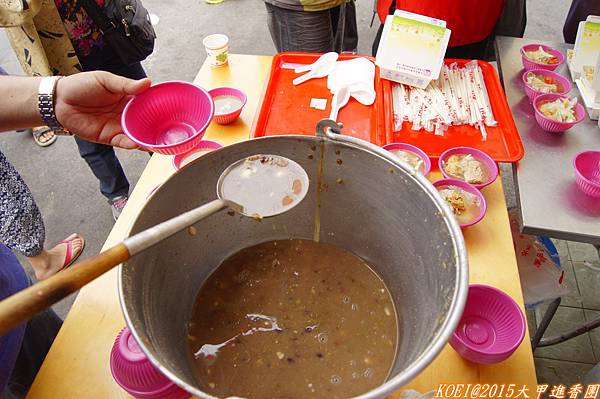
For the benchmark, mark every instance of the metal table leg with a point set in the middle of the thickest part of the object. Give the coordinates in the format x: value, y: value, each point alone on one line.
x: 557, y: 339
x: 538, y: 341
x: 541, y: 328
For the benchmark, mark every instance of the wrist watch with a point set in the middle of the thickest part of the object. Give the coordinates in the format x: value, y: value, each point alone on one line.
x: 46, y: 93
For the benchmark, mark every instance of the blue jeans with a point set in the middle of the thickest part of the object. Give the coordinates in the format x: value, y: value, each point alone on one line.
x: 23, y: 349
x: 101, y: 158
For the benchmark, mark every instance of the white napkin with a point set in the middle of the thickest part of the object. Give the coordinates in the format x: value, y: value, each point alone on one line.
x: 358, y: 75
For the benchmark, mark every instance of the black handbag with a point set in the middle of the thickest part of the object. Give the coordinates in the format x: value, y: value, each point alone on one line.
x: 126, y: 26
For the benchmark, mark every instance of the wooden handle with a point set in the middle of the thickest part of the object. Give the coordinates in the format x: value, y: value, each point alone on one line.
x: 23, y: 305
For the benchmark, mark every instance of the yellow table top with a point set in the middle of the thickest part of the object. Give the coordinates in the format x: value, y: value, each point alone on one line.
x: 78, y: 363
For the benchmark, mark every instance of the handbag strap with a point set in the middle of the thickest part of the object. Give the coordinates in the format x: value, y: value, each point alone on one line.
x: 98, y: 16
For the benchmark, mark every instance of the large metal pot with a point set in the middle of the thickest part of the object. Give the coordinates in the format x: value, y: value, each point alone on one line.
x: 370, y: 204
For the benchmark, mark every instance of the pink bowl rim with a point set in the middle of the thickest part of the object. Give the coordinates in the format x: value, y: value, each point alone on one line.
x: 578, y: 172
x: 546, y: 72
x: 579, y: 109
x: 467, y: 187
x: 115, y: 352
x: 481, y: 154
x: 522, y: 324
x: 558, y: 53
x: 194, y: 136
x: 412, y: 148
x: 202, y: 145
x: 238, y: 93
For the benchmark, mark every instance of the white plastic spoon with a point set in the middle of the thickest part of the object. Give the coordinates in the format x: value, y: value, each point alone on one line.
x: 321, y: 68
x: 340, y: 99
x: 330, y: 57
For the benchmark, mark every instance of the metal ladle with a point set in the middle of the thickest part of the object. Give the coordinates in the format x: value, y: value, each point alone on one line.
x: 258, y: 186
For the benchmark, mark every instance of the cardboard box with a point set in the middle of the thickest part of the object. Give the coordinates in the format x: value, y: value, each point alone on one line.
x: 412, y: 48
x: 587, y: 94
x: 586, y: 50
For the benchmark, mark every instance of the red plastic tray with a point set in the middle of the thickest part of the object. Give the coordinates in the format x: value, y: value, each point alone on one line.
x: 285, y: 108
x: 503, y: 143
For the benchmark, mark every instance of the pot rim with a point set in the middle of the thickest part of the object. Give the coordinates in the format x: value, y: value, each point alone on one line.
x: 455, y: 310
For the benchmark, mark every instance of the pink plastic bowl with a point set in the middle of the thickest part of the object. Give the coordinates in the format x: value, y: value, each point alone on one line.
x: 563, y: 82
x: 204, y: 145
x: 529, y: 64
x: 470, y: 189
x: 487, y: 161
x: 492, y: 326
x: 550, y: 125
x: 225, y: 119
x: 132, y: 370
x: 587, y: 172
x: 415, y: 150
x: 168, y: 118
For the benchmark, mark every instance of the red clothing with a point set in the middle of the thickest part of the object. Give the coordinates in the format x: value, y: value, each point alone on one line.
x: 469, y: 20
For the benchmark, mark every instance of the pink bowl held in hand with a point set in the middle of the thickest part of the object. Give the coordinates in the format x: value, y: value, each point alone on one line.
x: 487, y: 161
x: 440, y: 184
x: 180, y: 160
x: 491, y: 328
x: 132, y: 370
x: 564, y: 84
x: 529, y: 64
x: 549, y: 124
x: 415, y: 150
x: 168, y: 118
x: 587, y: 172
x: 229, y: 114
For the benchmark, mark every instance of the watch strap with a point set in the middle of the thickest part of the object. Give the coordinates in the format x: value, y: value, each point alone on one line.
x: 46, y: 91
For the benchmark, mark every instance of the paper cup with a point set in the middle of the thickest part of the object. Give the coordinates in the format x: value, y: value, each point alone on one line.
x: 217, y: 49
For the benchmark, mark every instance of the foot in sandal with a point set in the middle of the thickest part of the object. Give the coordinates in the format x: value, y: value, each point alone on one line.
x: 43, y: 136
x: 63, y: 255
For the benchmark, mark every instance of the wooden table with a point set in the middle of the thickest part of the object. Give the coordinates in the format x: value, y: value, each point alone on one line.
x: 77, y: 365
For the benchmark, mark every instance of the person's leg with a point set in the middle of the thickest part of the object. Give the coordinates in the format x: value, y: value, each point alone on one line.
x: 39, y: 335
x: 300, y: 30
x: 275, y: 28
x: 103, y: 162
x: 349, y: 30
x: 101, y: 158
x: 22, y: 228
x: 375, y: 45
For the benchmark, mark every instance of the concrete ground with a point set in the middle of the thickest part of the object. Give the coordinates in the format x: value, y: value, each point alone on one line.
x: 68, y: 194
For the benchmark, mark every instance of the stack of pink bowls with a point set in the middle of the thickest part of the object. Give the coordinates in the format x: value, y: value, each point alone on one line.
x: 491, y: 328
x: 132, y: 370
x: 587, y: 172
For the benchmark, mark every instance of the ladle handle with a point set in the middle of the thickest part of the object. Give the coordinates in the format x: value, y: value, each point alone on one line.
x: 23, y: 305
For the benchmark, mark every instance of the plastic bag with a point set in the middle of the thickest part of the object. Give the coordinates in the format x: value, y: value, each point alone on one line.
x: 542, y: 279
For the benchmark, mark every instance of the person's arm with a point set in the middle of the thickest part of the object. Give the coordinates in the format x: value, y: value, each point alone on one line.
x: 18, y: 102
x: 88, y: 104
